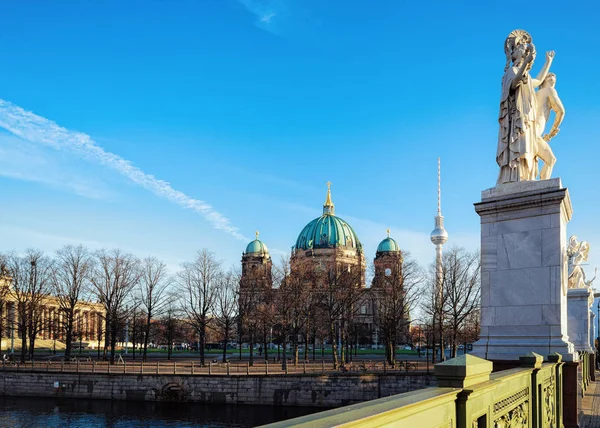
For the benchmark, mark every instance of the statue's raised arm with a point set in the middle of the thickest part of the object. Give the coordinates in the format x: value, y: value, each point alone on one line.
x: 518, y: 147
x: 545, y: 69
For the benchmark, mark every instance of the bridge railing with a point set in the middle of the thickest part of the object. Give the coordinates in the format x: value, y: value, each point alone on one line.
x: 87, y: 365
x: 469, y: 395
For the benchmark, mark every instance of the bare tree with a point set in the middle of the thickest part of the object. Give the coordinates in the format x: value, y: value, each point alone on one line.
x: 70, y: 276
x: 338, y: 289
x: 472, y: 326
x: 4, y: 292
x: 462, y: 287
x: 256, y: 313
x: 154, y: 284
x: 287, y: 303
x: 114, y: 277
x: 30, y: 276
x: 197, y: 283
x: 433, y: 306
x: 394, y: 297
x: 293, y: 302
x: 226, y: 306
x: 170, y: 326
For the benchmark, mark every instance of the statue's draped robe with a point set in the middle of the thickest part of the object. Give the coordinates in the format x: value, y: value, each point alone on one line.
x: 516, y: 138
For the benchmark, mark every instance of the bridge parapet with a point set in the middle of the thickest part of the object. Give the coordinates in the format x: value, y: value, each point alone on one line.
x: 469, y: 395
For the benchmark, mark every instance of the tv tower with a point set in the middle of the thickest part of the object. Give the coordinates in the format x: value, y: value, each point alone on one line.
x: 439, y: 236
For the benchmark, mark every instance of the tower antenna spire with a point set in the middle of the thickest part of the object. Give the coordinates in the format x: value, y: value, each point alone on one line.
x: 439, y: 189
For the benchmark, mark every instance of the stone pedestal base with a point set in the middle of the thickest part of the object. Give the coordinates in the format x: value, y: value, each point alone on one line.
x: 524, y: 271
x: 579, y: 301
x: 571, y: 394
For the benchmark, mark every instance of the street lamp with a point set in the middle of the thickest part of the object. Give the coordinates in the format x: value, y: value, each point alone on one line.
x: 126, y: 328
x: 598, y: 331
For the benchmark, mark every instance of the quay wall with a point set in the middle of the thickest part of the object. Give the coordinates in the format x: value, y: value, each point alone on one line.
x: 317, y: 390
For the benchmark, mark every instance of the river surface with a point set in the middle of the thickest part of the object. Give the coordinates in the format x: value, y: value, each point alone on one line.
x: 25, y: 412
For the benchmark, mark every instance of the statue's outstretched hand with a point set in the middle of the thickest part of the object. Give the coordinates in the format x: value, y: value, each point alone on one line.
x: 549, y: 55
x: 550, y: 135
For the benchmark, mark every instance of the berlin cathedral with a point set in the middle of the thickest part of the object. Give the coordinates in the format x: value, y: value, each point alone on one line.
x: 328, y: 243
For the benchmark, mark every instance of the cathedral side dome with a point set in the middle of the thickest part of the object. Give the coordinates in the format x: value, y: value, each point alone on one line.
x: 388, y: 245
x: 257, y: 247
x: 327, y: 231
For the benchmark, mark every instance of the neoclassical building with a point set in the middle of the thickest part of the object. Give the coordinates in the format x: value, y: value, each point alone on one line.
x: 326, y: 246
x: 89, y: 317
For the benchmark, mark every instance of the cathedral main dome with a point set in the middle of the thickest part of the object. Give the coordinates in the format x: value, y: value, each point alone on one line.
x: 327, y: 231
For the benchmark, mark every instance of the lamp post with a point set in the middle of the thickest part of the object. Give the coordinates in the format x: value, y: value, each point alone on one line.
x: 596, y: 295
x: 12, y: 339
x: 126, y: 328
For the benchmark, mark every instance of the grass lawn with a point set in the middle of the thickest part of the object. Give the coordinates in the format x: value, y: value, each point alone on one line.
x: 246, y: 352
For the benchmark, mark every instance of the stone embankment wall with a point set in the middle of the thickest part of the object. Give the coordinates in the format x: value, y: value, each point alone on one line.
x: 288, y: 390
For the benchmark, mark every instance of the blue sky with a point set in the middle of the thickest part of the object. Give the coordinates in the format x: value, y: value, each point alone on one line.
x: 247, y: 108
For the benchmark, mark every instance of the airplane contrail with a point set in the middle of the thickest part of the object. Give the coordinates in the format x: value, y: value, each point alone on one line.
x: 39, y: 130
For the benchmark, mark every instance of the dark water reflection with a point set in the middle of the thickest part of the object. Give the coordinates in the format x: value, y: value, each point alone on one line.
x: 48, y: 412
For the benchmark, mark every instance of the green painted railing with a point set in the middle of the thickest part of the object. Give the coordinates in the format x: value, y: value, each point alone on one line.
x: 469, y: 395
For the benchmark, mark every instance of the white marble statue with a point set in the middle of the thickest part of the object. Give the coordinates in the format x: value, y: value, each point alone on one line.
x: 578, y: 254
x: 547, y: 100
x: 518, y: 134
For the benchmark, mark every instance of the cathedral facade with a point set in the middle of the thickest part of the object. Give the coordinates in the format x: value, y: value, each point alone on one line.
x: 329, y: 256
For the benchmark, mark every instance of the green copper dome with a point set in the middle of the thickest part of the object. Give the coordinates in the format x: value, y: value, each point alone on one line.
x: 327, y: 231
x: 388, y: 245
x: 257, y: 246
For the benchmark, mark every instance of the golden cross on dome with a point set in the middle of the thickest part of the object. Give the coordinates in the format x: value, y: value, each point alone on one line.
x: 388, y: 232
x: 257, y: 235
x: 329, y: 185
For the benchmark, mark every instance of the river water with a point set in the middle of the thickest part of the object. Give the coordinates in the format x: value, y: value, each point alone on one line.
x: 25, y: 412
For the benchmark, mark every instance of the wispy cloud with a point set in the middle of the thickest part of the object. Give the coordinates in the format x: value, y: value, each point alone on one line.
x: 265, y: 13
x: 39, y: 130
x: 22, y: 160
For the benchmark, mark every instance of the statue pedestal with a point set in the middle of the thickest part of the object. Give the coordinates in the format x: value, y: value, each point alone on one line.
x: 579, y: 301
x: 524, y: 270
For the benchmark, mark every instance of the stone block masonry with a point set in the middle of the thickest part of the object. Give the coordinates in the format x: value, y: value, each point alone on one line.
x: 317, y: 390
x: 524, y: 270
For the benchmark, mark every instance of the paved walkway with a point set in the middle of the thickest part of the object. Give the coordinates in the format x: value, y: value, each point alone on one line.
x: 590, y: 406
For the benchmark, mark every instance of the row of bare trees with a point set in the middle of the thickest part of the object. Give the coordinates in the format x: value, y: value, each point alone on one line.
x: 145, y: 304
x: 451, y: 309
x: 67, y: 281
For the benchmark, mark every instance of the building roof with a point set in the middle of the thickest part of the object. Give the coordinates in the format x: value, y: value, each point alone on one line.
x: 388, y: 245
x: 257, y: 247
x: 327, y: 231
